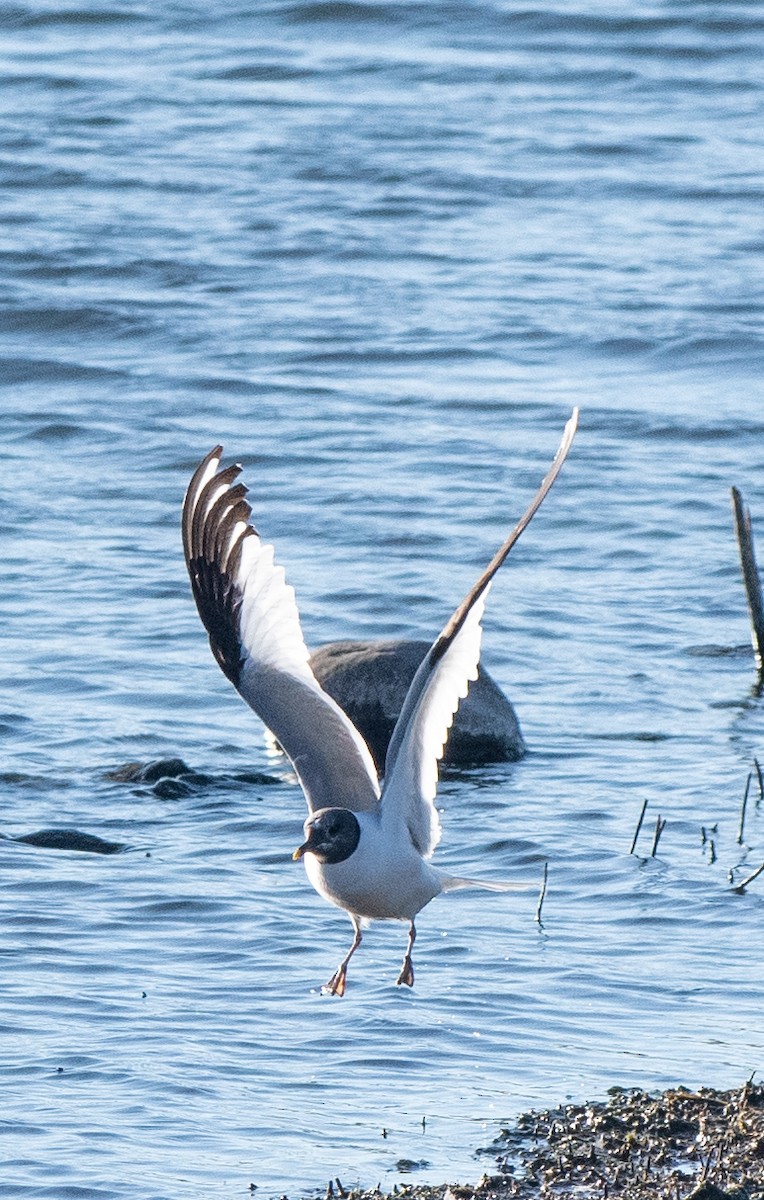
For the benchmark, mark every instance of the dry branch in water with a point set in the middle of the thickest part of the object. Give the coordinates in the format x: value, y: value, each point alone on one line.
x: 743, y: 807
x: 660, y: 825
x: 750, y: 575
x: 749, y: 879
x: 542, y: 893
x: 639, y: 826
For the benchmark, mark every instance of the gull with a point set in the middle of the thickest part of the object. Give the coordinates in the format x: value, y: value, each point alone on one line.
x: 367, y: 847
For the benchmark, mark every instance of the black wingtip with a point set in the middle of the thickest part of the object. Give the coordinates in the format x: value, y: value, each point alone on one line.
x: 212, y: 557
x: 190, y: 498
x: 458, y: 618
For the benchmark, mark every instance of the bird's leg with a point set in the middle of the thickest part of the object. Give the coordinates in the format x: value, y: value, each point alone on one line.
x: 407, y: 970
x: 336, y: 985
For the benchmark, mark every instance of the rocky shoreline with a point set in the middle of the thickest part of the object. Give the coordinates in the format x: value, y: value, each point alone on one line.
x: 678, y: 1145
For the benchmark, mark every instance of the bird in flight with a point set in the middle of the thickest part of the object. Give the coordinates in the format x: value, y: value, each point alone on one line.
x: 366, y: 847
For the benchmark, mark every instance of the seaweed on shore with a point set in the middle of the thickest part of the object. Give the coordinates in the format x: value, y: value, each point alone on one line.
x: 679, y: 1145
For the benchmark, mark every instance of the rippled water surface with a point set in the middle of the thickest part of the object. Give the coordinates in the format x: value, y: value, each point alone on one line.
x: 378, y: 250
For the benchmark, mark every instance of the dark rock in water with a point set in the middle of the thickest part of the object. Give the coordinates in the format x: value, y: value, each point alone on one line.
x: 255, y: 778
x: 369, y: 680
x: 160, y: 768
x: 169, y: 788
x: 406, y: 1165
x: 172, y: 779
x: 70, y: 839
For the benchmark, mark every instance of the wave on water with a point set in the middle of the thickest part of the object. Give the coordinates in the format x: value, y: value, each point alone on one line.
x: 379, y: 250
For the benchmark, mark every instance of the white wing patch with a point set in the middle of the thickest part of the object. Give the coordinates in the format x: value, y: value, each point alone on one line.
x: 269, y: 623
x: 412, y: 779
x: 416, y: 746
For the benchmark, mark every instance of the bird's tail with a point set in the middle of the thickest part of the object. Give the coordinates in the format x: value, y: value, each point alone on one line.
x: 452, y: 883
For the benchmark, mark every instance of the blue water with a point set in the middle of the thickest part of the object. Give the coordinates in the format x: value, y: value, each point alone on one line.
x: 379, y: 250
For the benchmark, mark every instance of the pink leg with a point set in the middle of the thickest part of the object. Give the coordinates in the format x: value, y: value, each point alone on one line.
x: 336, y: 985
x: 407, y: 970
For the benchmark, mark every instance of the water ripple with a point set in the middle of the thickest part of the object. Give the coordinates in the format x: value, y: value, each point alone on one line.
x: 378, y: 249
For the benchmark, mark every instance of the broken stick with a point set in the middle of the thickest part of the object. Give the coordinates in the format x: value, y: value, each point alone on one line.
x: 750, y: 575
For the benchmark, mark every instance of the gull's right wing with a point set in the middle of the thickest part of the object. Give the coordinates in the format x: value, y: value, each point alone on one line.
x: 442, y: 680
x: 250, y: 614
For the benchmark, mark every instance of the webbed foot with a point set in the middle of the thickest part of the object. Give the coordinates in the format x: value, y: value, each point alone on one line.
x: 407, y: 970
x: 407, y: 973
x: 336, y: 985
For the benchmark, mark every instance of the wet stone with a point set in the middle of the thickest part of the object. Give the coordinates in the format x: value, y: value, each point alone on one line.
x: 172, y: 789
x: 160, y: 768
x: 369, y: 680
x: 70, y: 839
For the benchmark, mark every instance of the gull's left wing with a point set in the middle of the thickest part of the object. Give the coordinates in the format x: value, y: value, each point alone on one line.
x: 442, y: 680
x: 250, y: 614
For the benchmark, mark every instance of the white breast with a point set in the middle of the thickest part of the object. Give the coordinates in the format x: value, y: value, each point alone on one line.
x: 384, y: 878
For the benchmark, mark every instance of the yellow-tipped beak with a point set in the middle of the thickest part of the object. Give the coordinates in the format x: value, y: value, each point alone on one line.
x: 300, y: 851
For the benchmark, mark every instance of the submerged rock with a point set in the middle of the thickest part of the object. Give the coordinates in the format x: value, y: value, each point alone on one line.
x: 150, y: 772
x: 69, y: 839
x: 172, y: 778
x: 369, y: 680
